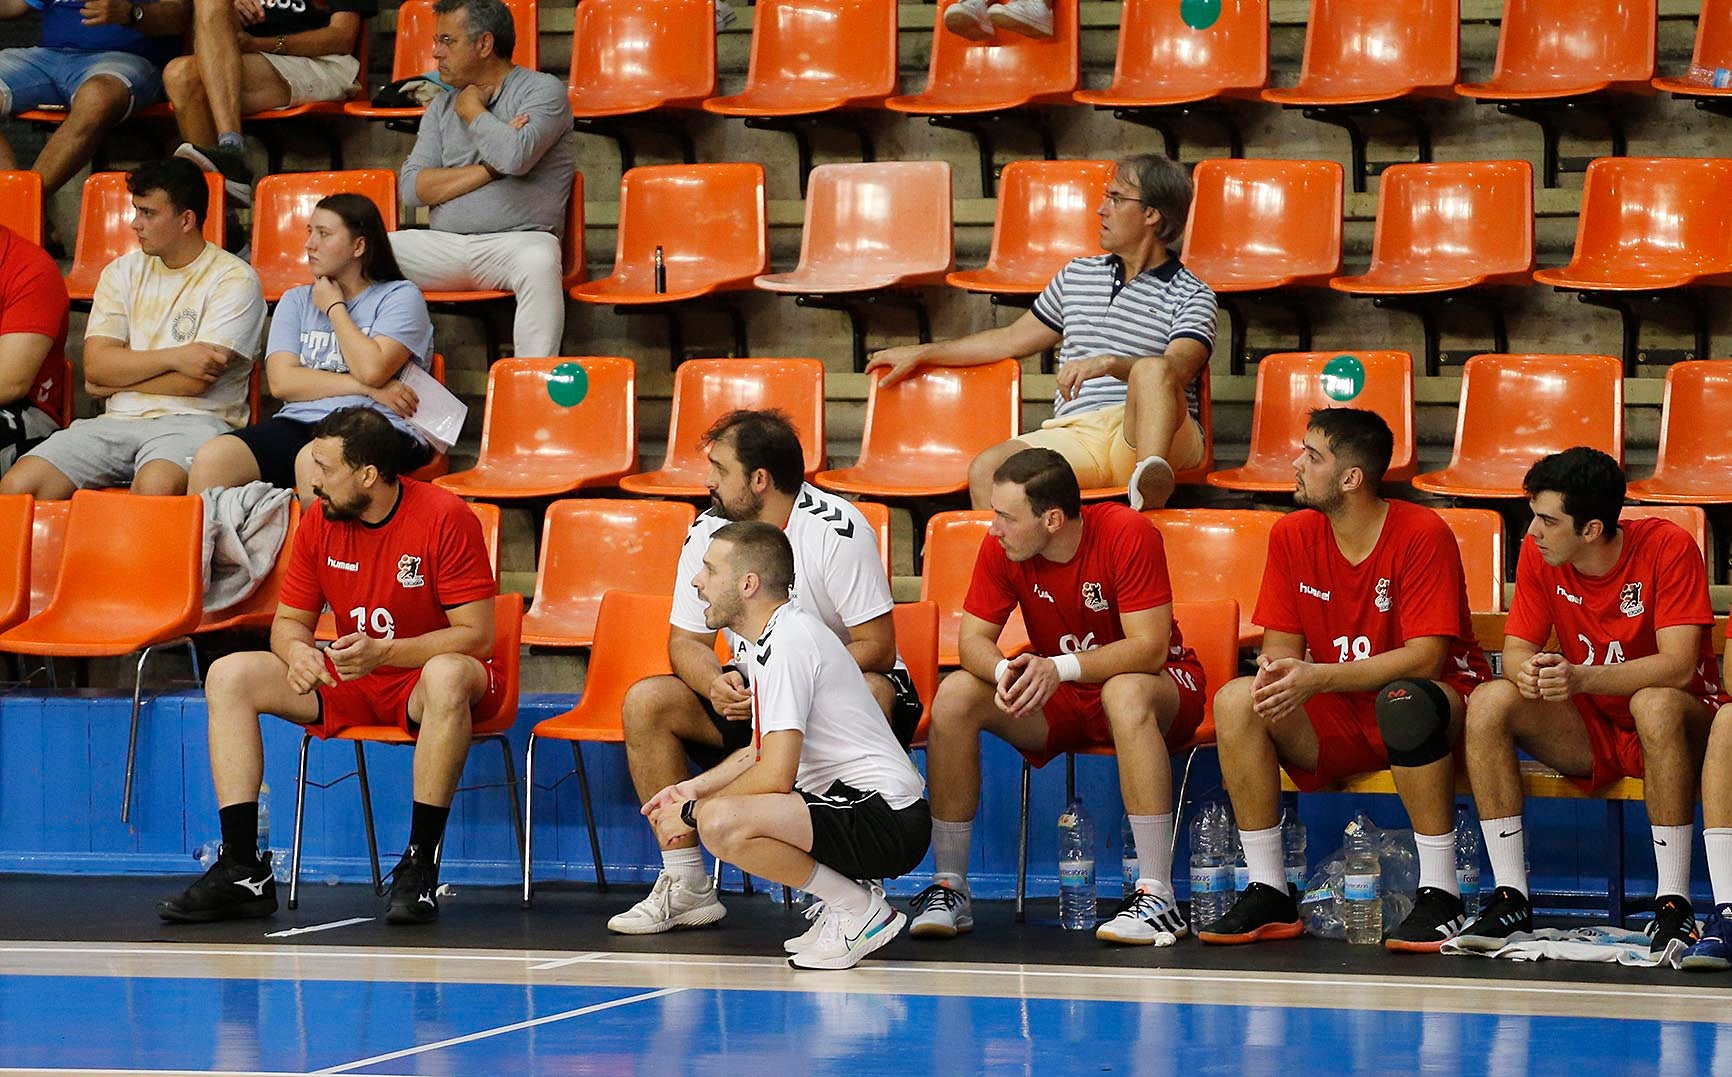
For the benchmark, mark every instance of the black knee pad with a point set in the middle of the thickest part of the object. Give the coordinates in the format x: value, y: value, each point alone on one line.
x: 1413, y: 717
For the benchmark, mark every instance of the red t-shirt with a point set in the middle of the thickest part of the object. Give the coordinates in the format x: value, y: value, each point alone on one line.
x: 1658, y: 582
x: 397, y: 577
x: 1120, y: 567
x: 33, y: 300
x: 1412, y: 585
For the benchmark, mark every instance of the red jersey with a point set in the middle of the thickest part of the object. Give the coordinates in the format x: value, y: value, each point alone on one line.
x: 1412, y: 585
x: 33, y: 300
x: 1120, y: 567
x: 394, y: 578
x: 1658, y: 582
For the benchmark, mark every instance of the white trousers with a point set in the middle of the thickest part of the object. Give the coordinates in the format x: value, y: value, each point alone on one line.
x: 526, y: 264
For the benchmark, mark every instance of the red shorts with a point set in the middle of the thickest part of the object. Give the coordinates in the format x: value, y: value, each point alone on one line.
x: 382, y: 698
x: 1349, y: 741
x: 1075, y: 719
x: 1616, y: 748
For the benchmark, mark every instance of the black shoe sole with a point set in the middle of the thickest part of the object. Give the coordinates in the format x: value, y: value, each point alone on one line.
x: 246, y: 910
x: 410, y: 915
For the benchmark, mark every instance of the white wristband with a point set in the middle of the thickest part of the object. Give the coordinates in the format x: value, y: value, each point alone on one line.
x: 1069, y: 667
x: 998, y: 671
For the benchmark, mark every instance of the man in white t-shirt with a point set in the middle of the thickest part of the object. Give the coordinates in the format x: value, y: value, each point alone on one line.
x: 824, y: 796
x: 704, y: 709
x: 173, y: 333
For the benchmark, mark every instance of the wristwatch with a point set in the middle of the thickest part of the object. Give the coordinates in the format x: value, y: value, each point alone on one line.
x: 686, y: 814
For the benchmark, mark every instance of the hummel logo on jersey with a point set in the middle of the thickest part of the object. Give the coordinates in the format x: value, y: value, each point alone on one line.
x: 1307, y: 589
x: 1041, y: 592
x: 1092, y: 597
x: 823, y: 510
x: 409, y: 571
x: 764, y: 656
x: 1574, y: 600
x: 346, y: 566
x: 1382, y: 599
x: 256, y: 889
x: 1630, y: 600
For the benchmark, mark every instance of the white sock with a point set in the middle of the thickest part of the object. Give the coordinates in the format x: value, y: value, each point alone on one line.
x: 950, y: 849
x: 1437, y: 861
x: 1263, y: 856
x: 686, y: 864
x: 838, y: 891
x: 1718, y: 841
x: 1154, y: 838
x: 1506, y: 845
x: 1672, y: 859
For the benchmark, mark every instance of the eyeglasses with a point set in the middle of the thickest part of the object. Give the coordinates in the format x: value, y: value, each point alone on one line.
x: 1120, y: 199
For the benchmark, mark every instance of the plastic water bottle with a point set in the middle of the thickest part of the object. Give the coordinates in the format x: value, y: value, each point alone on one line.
x: 1128, y: 856
x: 1241, y: 870
x: 1209, y: 871
x: 1076, y: 868
x: 1362, y: 886
x: 1467, y: 860
x: 1293, y: 854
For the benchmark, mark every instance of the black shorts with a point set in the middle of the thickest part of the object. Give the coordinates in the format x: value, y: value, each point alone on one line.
x: 274, y: 444
x: 904, y: 720
x: 863, y: 837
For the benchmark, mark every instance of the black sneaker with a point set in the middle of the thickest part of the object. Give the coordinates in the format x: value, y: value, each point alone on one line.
x: 1674, y: 921
x: 231, y: 890
x: 228, y: 160
x: 1436, y: 917
x: 1508, y: 912
x: 414, y: 889
x: 1261, y: 913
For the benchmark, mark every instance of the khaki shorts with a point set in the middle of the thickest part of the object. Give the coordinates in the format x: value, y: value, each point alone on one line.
x: 316, y: 78
x: 1093, y: 443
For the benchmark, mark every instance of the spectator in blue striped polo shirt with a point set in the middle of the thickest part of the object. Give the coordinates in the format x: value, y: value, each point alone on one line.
x: 1133, y: 328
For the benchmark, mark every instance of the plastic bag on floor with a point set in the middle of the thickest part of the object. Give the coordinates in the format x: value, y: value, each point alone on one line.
x: 1323, y: 905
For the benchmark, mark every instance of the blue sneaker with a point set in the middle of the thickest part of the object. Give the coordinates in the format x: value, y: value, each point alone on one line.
x: 1714, y: 952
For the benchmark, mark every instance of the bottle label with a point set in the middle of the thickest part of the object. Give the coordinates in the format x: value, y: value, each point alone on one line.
x: 1205, y: 880
x: 1361, y: 887
x: 1467, y: 879
x: 1129, y: 868
x: 1296, y: 878
x: 1076, y: 873
x: 1241, y: 878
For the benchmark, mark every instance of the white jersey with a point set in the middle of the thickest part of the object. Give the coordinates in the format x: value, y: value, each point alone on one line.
x: 838, y: 576
x: 803, y: 678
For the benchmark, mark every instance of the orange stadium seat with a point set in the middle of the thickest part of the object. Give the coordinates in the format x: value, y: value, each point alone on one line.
x: 1479, y: 537
x: 1261, y: 229
x: 946, y: 566
x: 47, y: 547
x: 921, y: 433
x: 917, y: 643
x: 17, y: 527
x: 1190, y: 476
x: 1694, y: 462
x: 256, y: 612
x: 976, y: 86
x: 282, y: 206
x: 1650, y: 224
x: 632, y: 63
x: 1517, y: 408
x: 21, y: 203
x: 1692, y: 518
x: 1217, y: 553
x: 1445, y: 233
x: 707, y: 389
x: 534, y: 446
x: 412, y: 54
x: 105, y: 228
x: 591, y: 546
x: 873, y: 233
x: 878, y: 517
x: 1290, y: 385
x: 1712, y: 54
x: 1044, y: 217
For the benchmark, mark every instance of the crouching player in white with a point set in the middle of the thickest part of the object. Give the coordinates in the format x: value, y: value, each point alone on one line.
x: 823, y: 797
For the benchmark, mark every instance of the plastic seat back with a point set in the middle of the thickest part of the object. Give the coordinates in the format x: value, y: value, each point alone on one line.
x: 105, y: 228
x: 1691, y: 518
x: 878, y: 516
x: 1565, y: 47
x: 506, y: 659
x: 1044, y: 217
x: 921, y: 433
x: 710, y: 221
x: 21, y: 203
x: 1694, y: 462
x: 1447, y: 226
x: 1007, y: 72
x: 629, y: 56
x: 16, y: 525
x: 590, y: 546
x: 1217, y: 553
x: 1211, y: 629
x: 873, y: 225
x: 1479, y: 536
x: 282, y: 206
x: 946, y: 566
x: 1291, y: 384
x: 1357, y: 52
x: 816, y: 55
x: 1650, y: 222
x: 47, y: 545
x: 631, y: 644
x: 1164, y: 60
x: 707, y: 389
x: 917, y: 643
x: 1518, y: 408
x: 1257, y: 225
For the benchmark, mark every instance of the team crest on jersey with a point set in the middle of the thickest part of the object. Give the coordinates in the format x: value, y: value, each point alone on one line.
x: 409, y: 571
x: 1093, y: 598
x: 1381, y: 600
x: 1630, y: 601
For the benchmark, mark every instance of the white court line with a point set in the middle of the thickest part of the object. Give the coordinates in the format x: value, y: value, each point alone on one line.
x: 334, y: 924
x: 501, y: 1030
x: 596, y: 955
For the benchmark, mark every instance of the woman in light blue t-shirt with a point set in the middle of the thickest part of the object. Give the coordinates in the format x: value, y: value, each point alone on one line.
x: 335, y: 343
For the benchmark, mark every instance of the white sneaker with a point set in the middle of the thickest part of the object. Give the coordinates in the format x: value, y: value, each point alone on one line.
x: 1030, y: 18
x: 967, y: 18
x: 673, y: 903
x: 941, y: 912
x: 843, y: 939
x: 1151, y: 484
x: 1147, y: 918
x: 815, y: 913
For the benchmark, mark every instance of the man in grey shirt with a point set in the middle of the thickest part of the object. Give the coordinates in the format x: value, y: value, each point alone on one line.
x: 494, y: 161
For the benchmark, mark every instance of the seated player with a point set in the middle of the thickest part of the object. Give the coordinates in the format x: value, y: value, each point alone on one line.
x: 407, y: 562
x: 1110, y: 669
x: 824, y: 796
x: 1630, y: 691
x: 1373, y: 590
x: 1713, y: 951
